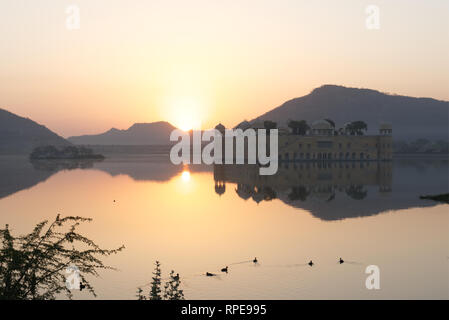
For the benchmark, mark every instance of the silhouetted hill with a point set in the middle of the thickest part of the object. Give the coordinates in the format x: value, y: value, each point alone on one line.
x: 155, y: 133
x: 411, y: 117
x: 20, y: 135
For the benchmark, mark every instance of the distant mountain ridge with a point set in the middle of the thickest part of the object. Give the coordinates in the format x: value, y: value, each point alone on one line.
x: 411, y: 118
x: 154, y: 133
x: 19, y: 135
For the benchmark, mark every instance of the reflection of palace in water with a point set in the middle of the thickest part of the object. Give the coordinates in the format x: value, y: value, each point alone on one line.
x: 329, y: 190
x: 310, y: 185
x: 305, y: 179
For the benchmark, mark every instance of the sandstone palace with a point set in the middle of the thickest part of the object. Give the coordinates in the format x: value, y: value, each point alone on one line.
x: 321, y: 141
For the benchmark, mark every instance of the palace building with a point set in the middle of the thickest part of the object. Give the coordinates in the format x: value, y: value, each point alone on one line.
x: 323, y: 142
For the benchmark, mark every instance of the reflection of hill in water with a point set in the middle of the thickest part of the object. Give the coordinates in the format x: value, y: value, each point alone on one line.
x: 62, y: 164
x: 330, y: 191
x: 339, y: 190
x: 147, y: 168
x: 18, y: 173
x: 144, y: 169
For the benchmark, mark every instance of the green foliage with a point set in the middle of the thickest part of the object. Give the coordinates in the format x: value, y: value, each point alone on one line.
x: 270, y: 125
x: 299, y: 127
x: 444, y: 197
x: 421, y: 146
x: 70, y: 152
x: 140, y: 295
x: 331, y: 122
x: 155, y: 293
x: 171, y: 289
x: 356, y: 192
x: 33, y: 266
x: 299, y: 193
x: 356, y: 128
x: 172, y: 286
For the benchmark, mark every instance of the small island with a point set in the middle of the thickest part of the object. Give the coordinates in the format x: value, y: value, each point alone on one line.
x: 70, y: 152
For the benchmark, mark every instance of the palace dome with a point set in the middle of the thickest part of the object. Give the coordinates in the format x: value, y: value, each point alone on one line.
x: 322, y: 125
x: 221, y: 128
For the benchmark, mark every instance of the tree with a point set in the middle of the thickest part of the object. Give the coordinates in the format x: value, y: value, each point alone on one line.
x: 139, y: 295
x: 34, y: 266
x: 331, y: 122
x: 299, y: 193
x: 419, y: 145
x: 356, y: 128
x: 270, y: 125
x: 171, y: 289
x: 303, y: 127
x: 293, y: 124
x: 298, y: 127
x: 356, y: 192
x: 155, y: 293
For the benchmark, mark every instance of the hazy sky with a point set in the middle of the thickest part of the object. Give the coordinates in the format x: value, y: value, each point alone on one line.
x: 199, y: 62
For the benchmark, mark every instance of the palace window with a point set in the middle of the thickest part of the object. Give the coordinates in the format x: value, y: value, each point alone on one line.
x: 324, y: 144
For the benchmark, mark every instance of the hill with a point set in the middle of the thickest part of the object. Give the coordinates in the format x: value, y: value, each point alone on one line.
x: 411, y: 118
x: 20, y: 135
x: 155, y: 133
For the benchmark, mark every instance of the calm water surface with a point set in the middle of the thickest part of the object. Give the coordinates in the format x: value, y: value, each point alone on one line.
x: 202, y: 218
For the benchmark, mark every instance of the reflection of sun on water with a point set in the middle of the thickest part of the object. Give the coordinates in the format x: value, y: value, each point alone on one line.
x: 185, y: 176
x: 185, y: 185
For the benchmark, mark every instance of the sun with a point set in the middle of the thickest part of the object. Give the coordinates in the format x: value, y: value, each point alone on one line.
x: 186, y: 113
x: 186, y: 126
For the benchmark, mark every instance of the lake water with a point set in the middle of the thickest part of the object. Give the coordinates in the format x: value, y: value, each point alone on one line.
x: 199, y: 219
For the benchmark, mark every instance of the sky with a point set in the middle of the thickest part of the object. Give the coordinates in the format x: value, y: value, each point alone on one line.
x: 200, y: 62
